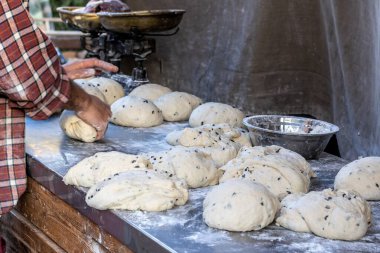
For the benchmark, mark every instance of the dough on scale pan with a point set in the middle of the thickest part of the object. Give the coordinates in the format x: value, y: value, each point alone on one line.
x: 239, y: 205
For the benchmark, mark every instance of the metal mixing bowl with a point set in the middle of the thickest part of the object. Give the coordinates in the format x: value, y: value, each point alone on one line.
x: 308, y: 137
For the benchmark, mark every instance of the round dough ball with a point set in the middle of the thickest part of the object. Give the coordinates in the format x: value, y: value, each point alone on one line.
x: 362, y: 176
x: 150, y: 91
x: 103, y: 165
x: 90, y: 88
x: 239, y: 205
x: 215, y: 113
x: 76, y: 128
x: 196, y: 168
x: 340, y: 215
x: 138, y: 190
x: 177, y: 106
x: 111, y: 89
x: 135, y: 112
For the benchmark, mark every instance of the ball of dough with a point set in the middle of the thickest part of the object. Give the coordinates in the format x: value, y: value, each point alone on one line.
x: 362, y: 176
x: 239, y: 205
x: 76, y: 128
x: 150, y: 91
x: 196, y: 168
x: 111, y: 89
x: 340, y: 215
x: 177, y: 106
x: 90, y: 88
x: 215, y: 113
x: 137, y: 190
x: 274, y: 167
x: 135, y: 112
x: 103, y: 165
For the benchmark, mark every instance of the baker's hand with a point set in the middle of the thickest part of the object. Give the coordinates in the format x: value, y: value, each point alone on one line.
x: 90, y: 109
x: 87, y: 68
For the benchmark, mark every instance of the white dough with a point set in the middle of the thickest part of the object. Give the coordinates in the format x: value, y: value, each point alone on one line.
x: 72, y: 125
x: 362, y: 176
x: 215, y: 113
x: 76, y: 128
x: 196, y: 168
x: 280, y: 170
x: 102, y: 165
x: 90, y: 88
x: 135, y: 112
x: 239, y: 205
x: 150, y: 91
x: 137, y: 190
x: 341, y: 215
x: 111, y: 89
x: 177, y: 106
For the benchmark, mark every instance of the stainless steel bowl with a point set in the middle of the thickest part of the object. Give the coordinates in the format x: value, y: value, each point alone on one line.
x: 308, y: 137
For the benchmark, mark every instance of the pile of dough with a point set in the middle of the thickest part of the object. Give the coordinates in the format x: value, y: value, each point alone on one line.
x: 214, y: 140
x: 138, y: 190
x: 215, y: 113
x: 135, y: 112
x: 102, y: 165
x: 195, y: 167
x: 239, y: 205
x: 362, y: 176
x: 340, y: 215
x: 282, y: 171
x: 150, y: 91
x: 111, y: 89
x: 237, y: 135
x: 72, y: 125
x: 177, y: 106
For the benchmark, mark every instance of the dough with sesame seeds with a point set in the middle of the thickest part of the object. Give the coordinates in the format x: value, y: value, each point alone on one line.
x: 177, y: 106
x: 150, y: 91
x: 362, y: 176
x: 144, y: 190
x: 195, y: 167
x: 72, y: 125
x: 239, y: 205
x: 215, y: 113
x: 339, y: 215
x: 111, y: 89
x: 103, y: 165
x: 135, y: 112
x: 281, y: 170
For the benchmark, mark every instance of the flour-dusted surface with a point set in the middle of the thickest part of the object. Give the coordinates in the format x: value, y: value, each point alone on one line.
x: 180, y: 229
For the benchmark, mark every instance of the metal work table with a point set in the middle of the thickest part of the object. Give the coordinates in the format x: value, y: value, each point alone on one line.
x: 51, y: 154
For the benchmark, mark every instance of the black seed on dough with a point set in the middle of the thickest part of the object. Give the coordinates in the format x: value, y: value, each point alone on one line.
x: 289, y: 192
x: 327, y: 207
x: 262, y: 203
x: 377, y: 185
x: 133, y: 161
x: 326, y: 217
x: 278, y: 179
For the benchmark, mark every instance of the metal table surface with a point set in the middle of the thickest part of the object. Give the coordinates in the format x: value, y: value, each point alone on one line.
x: 51, y: 154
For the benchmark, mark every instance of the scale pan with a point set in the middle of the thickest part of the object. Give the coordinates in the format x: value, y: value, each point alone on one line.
x: 143, y: 21
x: 85, y: 22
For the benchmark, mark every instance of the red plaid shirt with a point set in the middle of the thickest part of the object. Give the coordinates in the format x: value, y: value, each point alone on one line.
x: 31, y: 82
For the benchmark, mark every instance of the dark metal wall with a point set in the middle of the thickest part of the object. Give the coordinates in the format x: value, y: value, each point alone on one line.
x: 315, y: 57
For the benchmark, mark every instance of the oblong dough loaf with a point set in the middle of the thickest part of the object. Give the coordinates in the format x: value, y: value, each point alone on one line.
x: 138, y: 190
x: 177, y: 106
x: 135, y: 112
x: 111, y: 89
x: 150, y: 91
x: 239, y: 205
x: 215, y: 113
x: 362, y: 176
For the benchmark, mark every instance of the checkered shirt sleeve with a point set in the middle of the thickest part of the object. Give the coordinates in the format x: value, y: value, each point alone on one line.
x: 30, y: 72
x: 32, y: 82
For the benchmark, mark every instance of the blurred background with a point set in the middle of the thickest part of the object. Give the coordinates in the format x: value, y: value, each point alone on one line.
x: 305, y: 57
